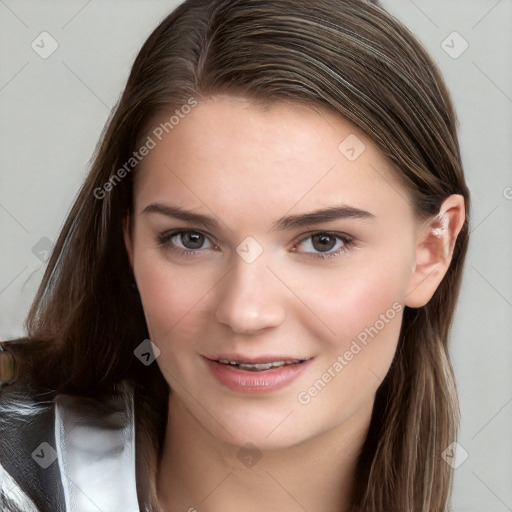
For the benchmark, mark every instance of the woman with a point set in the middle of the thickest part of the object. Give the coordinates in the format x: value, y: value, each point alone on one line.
x: 249, y: 304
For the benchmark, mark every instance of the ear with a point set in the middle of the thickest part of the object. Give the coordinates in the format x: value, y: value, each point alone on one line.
x: 128, y: 239
x: 434, y: 250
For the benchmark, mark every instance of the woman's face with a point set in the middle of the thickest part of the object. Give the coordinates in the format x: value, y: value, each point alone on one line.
x: 271, y: 235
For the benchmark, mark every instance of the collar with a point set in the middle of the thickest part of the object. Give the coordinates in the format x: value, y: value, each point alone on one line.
x: 95, y: 448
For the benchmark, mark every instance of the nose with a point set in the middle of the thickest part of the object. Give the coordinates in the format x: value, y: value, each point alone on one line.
x: 250, y: 299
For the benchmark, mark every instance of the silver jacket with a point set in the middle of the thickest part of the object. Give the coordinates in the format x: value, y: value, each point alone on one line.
x: 68, y: 454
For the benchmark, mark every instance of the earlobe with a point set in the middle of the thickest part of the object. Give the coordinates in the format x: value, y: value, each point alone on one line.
x: 436, y: 242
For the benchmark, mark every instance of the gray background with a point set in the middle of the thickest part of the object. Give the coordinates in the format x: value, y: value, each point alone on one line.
x: 54, y: 109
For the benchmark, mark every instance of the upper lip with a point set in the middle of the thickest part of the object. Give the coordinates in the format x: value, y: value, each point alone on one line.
x: 267, y: 358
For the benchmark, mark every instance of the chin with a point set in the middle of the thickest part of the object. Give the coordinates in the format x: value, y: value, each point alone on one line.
x: 264, y: 425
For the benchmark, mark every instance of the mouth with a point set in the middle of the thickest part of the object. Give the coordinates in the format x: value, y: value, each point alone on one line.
x: 261, y: 366
x: 262, y: 374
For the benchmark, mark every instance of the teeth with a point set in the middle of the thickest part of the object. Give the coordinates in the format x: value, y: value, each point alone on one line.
x: 260, y: 366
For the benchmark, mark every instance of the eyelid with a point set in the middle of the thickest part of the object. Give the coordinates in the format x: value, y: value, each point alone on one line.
x: 176, y: 231
x: 347, y: 242
x: 336, y: 234
x: 164, y: 239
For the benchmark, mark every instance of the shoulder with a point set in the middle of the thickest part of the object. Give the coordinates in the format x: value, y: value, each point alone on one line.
x: 68, y: 449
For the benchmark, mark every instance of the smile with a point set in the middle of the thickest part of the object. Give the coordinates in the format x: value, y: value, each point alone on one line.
x: 262, y: 375
x: 258, y: 367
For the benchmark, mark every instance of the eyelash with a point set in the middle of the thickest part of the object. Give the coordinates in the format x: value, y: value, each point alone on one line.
x: 346, y: 241
x: 164, y: 239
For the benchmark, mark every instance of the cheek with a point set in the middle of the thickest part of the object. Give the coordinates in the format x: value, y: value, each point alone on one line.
x: 369, y: 309
x: 361, y: 312
x: 173, y: 298
x: 354, y: 304
x: 365, y: 313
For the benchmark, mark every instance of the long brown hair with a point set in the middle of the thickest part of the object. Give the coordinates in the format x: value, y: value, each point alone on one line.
x: 348, y: 56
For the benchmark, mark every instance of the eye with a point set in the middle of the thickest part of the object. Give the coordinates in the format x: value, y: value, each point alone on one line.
x: 324, y: 244
x: 186, y: 242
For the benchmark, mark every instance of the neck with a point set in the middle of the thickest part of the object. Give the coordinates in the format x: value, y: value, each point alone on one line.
x: 200, y: 473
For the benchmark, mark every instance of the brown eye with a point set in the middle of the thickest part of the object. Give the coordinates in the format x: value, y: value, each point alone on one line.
x: 323, y: 242
x: 191, y: 239
x: 185, y: 241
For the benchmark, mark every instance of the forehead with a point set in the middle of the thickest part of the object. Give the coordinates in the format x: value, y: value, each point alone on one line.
x: 239, y: 158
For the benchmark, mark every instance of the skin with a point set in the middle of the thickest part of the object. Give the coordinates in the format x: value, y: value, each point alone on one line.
x: 247, y: 167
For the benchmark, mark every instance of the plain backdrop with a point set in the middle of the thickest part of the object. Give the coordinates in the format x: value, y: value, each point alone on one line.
x: 53, y: 110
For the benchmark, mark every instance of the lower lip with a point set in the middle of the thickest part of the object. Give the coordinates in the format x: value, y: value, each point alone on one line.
x: 264, y: 381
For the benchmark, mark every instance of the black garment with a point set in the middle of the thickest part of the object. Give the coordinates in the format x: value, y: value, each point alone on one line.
x: 65, y: 453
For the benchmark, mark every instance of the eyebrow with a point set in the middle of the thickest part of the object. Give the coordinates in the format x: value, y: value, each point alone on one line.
x: 286, y: 223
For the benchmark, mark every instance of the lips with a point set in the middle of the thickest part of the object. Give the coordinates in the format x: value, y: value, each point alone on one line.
x: 261, y: 374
